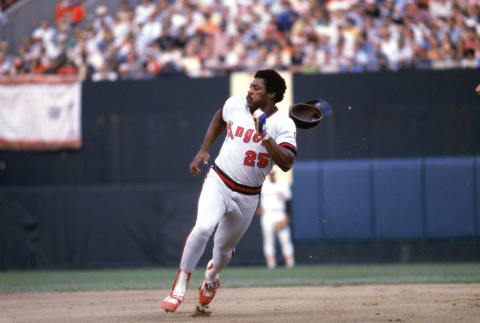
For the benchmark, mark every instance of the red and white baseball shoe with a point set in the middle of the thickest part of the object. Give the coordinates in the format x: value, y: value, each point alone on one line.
x: 176, y: 296
x: 171, y: 302
x: 208, y: 288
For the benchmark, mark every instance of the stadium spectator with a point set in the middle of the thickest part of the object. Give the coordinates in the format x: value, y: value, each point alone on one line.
x: 132, y: 68
x: 5, y: 60
x: 68, y: 68
x: 440, y: 8
x: 125, y: 13
x: 102, y: 18
x: 287, y: 17
x: 46, y: 33
x: 62, y: 11
x: 144, y: 11
x: 36, y: 66
x: 78, y: 12
x: 296, y: 60
x: 104, y: 73
x: 151, y: 31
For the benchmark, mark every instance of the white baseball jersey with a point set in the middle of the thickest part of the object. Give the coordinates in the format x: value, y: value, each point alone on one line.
x: 243, y: 160
x: 274, y: 196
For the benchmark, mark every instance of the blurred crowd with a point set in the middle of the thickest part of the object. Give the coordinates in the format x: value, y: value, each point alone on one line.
x: 204, y: 38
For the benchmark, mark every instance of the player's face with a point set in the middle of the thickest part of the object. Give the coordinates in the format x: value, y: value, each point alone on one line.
x: 257, y: 94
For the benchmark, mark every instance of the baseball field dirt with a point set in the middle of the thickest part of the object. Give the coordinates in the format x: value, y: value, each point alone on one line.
x: 365, y: 303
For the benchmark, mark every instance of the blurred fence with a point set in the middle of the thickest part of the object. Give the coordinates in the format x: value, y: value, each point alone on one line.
x: 126, y: 198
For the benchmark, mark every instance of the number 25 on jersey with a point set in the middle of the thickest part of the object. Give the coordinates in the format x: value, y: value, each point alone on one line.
x: 252, y: 159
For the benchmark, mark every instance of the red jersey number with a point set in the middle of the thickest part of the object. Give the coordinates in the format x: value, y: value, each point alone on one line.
x: 251, y: 157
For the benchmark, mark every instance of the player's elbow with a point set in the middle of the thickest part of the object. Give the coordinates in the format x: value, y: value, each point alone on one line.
x: 286, y: 166
x: 285, y: 159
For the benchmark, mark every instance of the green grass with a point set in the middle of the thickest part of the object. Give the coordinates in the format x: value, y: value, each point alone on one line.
x: 322, y: 275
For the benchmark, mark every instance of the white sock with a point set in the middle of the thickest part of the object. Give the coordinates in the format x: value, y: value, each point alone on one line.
x: 181, y: 284
x: 210, y: 274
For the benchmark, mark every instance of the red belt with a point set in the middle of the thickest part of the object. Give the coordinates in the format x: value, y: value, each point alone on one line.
x: 244, y: 189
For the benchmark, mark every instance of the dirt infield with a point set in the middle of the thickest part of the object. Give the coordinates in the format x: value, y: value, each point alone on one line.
x: 371, y: 303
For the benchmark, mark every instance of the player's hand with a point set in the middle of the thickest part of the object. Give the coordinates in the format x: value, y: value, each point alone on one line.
x: 282, y: 224
x: 260, y: 123
x: 200, y: 157
x: 478, y: 89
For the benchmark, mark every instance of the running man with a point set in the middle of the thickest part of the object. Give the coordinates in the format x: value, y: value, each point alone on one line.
x: 258, y: 136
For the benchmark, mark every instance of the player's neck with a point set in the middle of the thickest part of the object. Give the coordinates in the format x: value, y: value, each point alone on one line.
x: 268, y: 108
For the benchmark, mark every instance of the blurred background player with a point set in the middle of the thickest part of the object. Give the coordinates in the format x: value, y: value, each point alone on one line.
x: 275, y: 220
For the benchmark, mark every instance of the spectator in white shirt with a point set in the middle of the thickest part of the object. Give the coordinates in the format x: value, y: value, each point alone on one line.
x: 389, y: 48
x: 440, y: 8
x: 46, y: 32
x: 151, y: 30
x: 102, y: 17
x: 143, y: 11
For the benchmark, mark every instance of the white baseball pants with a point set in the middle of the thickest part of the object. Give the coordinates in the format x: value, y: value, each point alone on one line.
x: 232, y: 211
x: 268, y: 222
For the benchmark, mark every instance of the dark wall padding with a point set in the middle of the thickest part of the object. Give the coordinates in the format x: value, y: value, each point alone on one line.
x: 307, y: 202
x: 94, y: 226
x: 450, y: 197
x: 398, y: 198
x: 347, y: 203
x: 424, y: 198
x: 104, y: 226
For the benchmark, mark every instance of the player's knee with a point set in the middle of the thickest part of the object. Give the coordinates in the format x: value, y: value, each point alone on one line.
x: 225, y: 253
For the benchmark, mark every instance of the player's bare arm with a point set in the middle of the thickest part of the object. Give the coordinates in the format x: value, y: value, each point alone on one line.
x: 283, y: 157
x: 216, y: 127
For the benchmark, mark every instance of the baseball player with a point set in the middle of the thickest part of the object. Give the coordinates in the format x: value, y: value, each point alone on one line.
x: 274, y: 220
x: 257, y: 137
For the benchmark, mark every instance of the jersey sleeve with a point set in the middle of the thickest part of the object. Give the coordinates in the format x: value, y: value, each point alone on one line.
x: 287, y: 136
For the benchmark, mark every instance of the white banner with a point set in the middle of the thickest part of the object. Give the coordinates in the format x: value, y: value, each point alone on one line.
x: 40, y: 116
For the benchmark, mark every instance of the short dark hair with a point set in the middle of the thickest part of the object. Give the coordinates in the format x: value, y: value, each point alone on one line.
x: 273, y: 83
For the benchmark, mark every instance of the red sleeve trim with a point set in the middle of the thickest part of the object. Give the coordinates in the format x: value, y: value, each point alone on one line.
x: 290, y: 147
